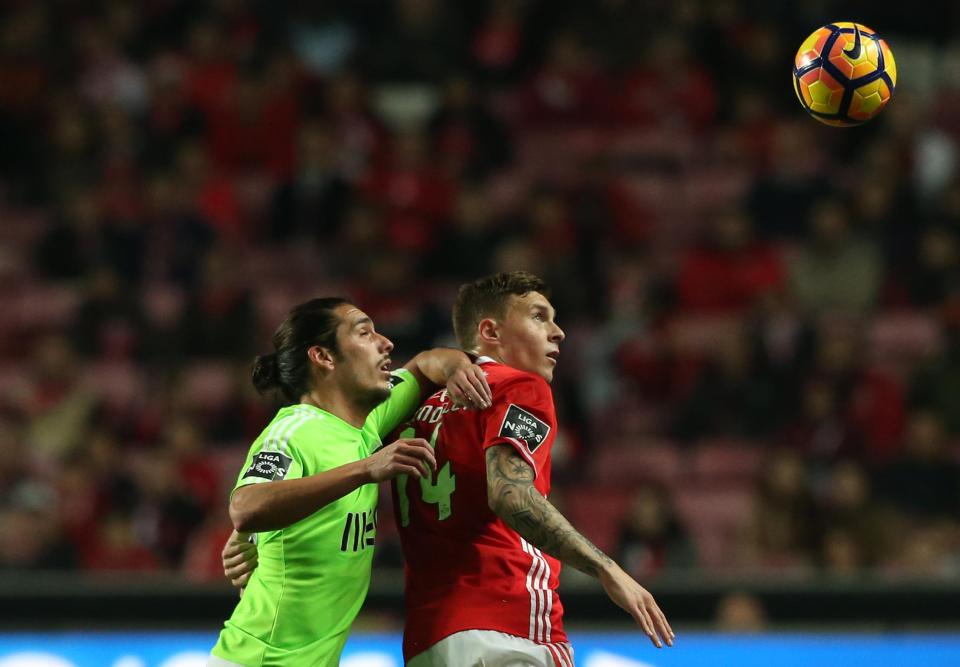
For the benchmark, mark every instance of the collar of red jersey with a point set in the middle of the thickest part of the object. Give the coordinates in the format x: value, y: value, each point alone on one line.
x: 486, y: 360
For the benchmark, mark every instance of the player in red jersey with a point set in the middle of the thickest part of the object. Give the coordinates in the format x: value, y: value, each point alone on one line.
x: 482, y: 543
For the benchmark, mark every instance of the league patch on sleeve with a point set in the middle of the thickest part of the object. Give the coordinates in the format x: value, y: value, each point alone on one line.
x: 395, y: 380
x: 270, y: 466
x: 521, y: 425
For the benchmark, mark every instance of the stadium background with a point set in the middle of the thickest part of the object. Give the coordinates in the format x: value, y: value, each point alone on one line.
x: 759, y: 393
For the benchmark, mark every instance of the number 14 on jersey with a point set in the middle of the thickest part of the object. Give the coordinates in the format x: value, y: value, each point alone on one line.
x: 435, y: 492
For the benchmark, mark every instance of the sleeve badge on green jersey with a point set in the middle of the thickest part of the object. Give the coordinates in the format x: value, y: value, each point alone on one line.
x: 269, y: 465
x: 523, y: 426
x: 395, y: 380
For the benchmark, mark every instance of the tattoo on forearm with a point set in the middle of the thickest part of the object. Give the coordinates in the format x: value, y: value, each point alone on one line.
x: 515, y: 500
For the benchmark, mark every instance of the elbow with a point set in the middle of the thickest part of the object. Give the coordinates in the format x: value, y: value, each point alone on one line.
x: 243, y: 515
x: 240, y: 519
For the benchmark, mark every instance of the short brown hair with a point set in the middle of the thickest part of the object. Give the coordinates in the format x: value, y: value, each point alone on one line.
x: 488, y: 297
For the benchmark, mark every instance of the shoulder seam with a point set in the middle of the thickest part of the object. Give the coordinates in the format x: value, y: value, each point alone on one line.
x: 287, y: 427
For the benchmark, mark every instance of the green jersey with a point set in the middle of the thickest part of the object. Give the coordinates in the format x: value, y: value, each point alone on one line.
x: 312, y: 576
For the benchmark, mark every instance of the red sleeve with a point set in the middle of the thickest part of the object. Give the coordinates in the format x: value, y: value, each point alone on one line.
x: 522, y: 416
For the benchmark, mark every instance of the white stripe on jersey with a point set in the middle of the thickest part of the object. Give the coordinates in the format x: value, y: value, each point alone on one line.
x: 283, y: 430
x: 547, y: 594
x: 538, y: 587
x: 541, y: 597
x: 533, y: 596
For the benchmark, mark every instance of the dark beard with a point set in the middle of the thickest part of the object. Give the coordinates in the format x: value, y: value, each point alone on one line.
x: 374, y: 397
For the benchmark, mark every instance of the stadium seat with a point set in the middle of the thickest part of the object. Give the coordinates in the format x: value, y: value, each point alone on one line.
x: 21, y: 228
x: 597, y: 511
x: 162, y: 304
x: 656, y: 461
x: 715, y: 516
x: 208, y: 384
x: 720, y: 460
x: 40, y: 306
x: 15, y: 378
x: 120, y: 385
x: 711, y: 188
x: 697, y: 335
x: 649, y: 145
x: 898, y: 341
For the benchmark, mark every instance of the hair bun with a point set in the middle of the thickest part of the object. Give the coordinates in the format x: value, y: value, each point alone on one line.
x: 266, y: 373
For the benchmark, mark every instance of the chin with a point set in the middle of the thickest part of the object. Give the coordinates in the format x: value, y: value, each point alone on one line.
x: 374, y: 396
x: 547, y: 374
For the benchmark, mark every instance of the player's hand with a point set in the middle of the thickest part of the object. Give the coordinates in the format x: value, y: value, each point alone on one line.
x: 239, y: 559
x: 468, y: 388
x: 407, y: 456
x: 637, y: 601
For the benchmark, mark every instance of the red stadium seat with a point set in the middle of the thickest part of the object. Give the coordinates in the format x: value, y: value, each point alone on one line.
x: 711, y: 188
x: 39, y: 306
x: 120, y: 385
x: 898, y: 341
x: 698, y: 335
x: 656, y: 461
x: 726, y: 460
x: 15, y: 378
x: 208, y: 384
x: 597, y: 511
x: 162, y: 304
x: 715, y: 517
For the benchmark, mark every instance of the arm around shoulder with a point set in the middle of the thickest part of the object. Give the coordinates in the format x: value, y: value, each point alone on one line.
x: 444, y: 366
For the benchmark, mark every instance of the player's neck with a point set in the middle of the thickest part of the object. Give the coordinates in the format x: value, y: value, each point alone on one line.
x: 338, y: 404
x: 488, y: 353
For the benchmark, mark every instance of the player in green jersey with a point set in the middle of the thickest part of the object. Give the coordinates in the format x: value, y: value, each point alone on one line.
x: 309, y: 488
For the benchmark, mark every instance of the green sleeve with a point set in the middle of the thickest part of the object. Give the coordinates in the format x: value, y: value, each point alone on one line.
x: 273, y: 458
x: 399, y: 406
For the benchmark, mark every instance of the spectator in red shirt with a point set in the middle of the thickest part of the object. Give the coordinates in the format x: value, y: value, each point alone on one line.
x: 667, y: 86
x: 413, y: 192
x: 870, y: 402
x: 731, y: 270
x: 118, y: 547
x: 568, y: 89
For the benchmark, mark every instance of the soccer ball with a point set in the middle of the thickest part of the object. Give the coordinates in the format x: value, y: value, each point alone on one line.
x: 844, y: 74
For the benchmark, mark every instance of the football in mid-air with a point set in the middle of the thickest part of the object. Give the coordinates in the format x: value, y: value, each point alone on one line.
x: 844, y: 74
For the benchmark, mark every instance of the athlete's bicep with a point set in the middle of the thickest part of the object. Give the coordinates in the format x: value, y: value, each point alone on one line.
x: 509, y: 478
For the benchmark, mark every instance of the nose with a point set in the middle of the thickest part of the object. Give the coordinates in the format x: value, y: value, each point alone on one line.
x: 385, y: 343
x: 557, y: 334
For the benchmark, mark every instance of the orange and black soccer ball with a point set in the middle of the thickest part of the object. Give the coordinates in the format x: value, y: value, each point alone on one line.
x: 844, y: 74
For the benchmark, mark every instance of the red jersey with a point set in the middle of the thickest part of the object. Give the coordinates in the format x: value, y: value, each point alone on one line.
x: 465, y: 568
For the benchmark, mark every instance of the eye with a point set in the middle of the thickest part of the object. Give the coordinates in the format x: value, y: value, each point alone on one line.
x: 539, y: 316
x: 366, y: 333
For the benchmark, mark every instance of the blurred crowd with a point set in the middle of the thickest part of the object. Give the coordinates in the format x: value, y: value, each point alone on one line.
x: 762, y: 368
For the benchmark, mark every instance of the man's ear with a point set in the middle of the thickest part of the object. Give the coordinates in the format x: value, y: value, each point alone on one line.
x: 321, y: 357
x: 488, y: 331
